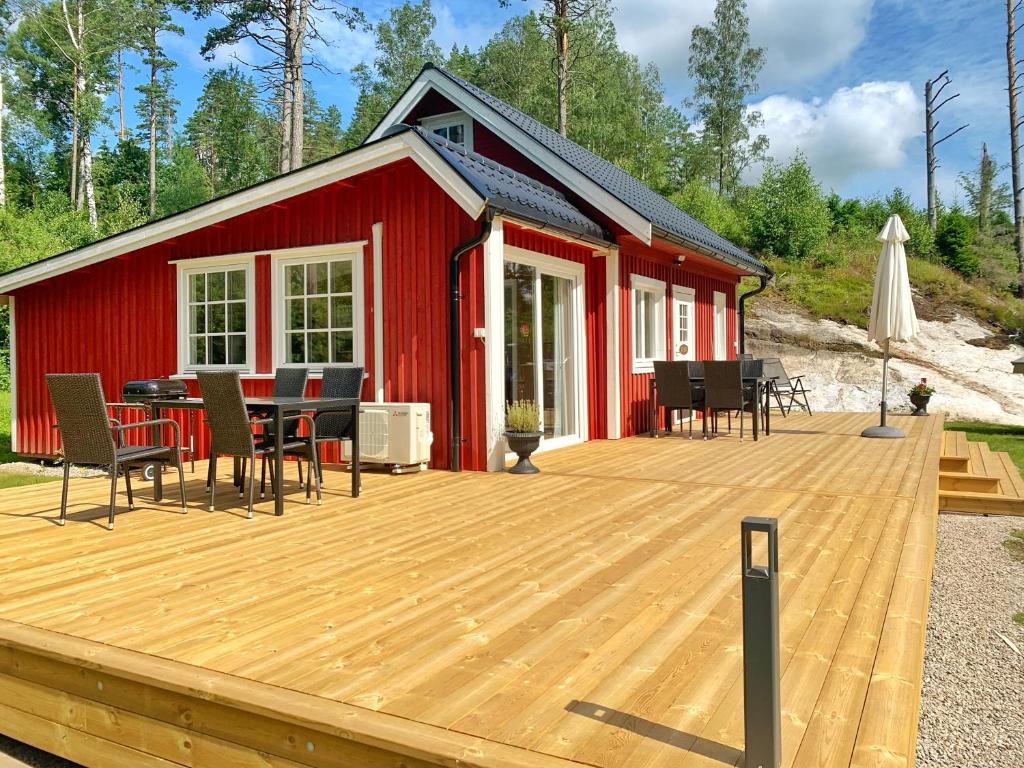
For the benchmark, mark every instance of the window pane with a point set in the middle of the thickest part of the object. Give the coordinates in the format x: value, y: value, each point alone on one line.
x: 216, y: 318
x: 295, y: 314
x: 457, y: 134
x: 316, y: 278
x: 217, y: 354
x: 296, y: 347
x: 236, y: 349
x: 215, y: 286
x: 197, y: 319
x: 442, y: 131
x: 197, y: 351
x: 316, y: 313
x: 236, y: 317
x: 341, y: 276
x: 341, y: 312
x: 317, y: 348
x: 237, y: 284
x: 639, y: 313
x: 294, y: 279
x: 650, y: 323
x: 197, y: 288
x: 341, y: 347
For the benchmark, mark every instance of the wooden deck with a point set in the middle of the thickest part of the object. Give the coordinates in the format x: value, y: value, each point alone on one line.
x: 974, y: 479
x: 588, y: 615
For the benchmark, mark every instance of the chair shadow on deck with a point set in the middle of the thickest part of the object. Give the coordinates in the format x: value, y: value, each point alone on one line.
x: 712, y: 750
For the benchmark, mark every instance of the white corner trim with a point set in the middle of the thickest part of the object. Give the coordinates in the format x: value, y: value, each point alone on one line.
x: 365, y: 158
x: 378, y: 310
x: 494, y: 344
x: 13, y: 371
x: 611, y: 275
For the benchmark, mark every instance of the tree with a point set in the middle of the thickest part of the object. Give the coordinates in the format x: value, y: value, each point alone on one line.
x: 1013, y: 89
x: 954, y: 236
x: 183, y: 181
x: 403, y: 46
x: 725, y: 68
x: 229, y: 132
x: 325, y: 135
x: 786, y: 214
x: 983, y: 194
x: 282, y: 28
x: 931, y: 106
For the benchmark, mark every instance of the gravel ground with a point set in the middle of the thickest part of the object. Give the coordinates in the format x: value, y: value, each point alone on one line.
x: 14, y: 754
x: 972, y: 703
x: 38, y: 468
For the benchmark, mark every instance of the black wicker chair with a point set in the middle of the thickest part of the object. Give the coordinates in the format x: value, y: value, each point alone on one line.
x: 675, y: 390
x: 724, y: 389
x: 288, y: 382
x: 87, y: 434
x: 231, y: 432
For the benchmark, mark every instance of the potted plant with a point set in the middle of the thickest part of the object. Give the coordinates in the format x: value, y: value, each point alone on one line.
x: 920, y: 394
x: 522, y: 430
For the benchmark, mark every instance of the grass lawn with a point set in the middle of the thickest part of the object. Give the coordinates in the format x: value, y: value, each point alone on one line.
x: 6, y: 455
x: 999, y: 437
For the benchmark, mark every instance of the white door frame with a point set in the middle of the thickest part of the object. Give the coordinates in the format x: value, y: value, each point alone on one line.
x: 682, y: 295
x: 576, y: 272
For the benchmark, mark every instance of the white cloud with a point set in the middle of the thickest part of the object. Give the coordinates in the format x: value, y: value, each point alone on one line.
x: 801, y: 38
x: 855, y: 131
x: 468, y: 30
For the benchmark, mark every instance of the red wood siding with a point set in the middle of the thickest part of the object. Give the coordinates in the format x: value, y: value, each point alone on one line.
x: 118, y: 317
x: 594, y: 303
x: 638, y: 259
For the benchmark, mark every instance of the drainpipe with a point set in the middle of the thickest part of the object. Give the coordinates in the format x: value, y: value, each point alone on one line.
x: 455, y: 337
x: 743, y: 313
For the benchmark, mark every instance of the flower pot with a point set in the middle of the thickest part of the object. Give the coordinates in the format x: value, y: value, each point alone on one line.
x: 523, y: 444
x: 920, y: 402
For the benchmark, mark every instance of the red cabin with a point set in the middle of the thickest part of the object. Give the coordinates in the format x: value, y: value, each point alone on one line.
x: 465, y: 254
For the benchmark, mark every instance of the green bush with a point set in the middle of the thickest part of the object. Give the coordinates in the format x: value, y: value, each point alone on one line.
x: 786, y: 214
x: 707, y: 206
x: 953, y: 238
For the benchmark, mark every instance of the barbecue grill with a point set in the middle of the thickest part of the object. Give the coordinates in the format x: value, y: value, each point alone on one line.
x: 142, y: 392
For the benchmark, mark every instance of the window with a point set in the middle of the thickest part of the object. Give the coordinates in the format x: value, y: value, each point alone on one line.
x: 648, y: 301
x: 214, y: 315
x: 720, y: 325
x: 319, y: 309
x: 456, y: 127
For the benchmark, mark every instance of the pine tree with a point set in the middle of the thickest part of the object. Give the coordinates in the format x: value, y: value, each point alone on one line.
x: 984, y: 196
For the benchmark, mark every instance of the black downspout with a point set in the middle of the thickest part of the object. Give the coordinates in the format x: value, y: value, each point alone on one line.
x: 455, y: 338
x: 743, y: 313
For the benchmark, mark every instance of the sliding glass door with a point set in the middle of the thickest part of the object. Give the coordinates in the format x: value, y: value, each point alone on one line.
x: 542, y: 345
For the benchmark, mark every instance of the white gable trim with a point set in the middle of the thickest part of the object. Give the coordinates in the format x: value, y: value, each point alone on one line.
x: 605, y: 202
x: 366, y: 158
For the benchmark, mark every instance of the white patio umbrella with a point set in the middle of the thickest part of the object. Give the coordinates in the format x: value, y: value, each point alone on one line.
x: 892, y: 307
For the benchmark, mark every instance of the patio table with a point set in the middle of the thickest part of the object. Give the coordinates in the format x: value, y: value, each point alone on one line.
x: 277, y: 408
x: 763, y: 393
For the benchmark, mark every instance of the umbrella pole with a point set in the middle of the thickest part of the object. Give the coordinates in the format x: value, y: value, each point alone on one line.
x: 885, y: 377
x: 882, y: 430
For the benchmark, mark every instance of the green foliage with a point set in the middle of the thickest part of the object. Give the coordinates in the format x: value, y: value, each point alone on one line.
x: 953, y: 243
x: 522, y: 416
x: 786, y: 214
x: 707, y: 206
x: 121, y: 174
x: 325, y: 136
x: 985, y: 198
x: 183, y: 182
x: 52, y: 226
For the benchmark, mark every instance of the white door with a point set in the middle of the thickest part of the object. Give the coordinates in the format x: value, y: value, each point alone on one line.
x: 683, y: 311
x: 721, y: 326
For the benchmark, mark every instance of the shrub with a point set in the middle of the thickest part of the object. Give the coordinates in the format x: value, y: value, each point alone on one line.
x: 708, y: 207
x: 522, y: 416
x: 786, y: 214
x: 953, y: 238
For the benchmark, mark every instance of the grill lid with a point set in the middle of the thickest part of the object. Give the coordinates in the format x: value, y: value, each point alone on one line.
x: 155, y: 388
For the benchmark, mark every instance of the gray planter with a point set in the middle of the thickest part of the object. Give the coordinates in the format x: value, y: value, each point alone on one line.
x: 920, y: 402
x: 523, y: 444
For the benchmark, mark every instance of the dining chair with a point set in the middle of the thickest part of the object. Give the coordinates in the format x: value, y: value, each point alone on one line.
x: 675, y: 390
x: 232, y: 433
x: 289, y: 381
x: 87, y: 435
x: 724, y: 390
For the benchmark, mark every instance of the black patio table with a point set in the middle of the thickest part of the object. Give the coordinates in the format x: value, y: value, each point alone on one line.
x: 277, y: 408
x: 761, y: 382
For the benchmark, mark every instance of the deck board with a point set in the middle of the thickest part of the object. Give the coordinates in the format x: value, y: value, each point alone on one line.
x: 588, y: 615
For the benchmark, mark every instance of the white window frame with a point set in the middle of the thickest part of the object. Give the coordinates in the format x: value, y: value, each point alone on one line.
x: 187, y: 268
x: 720, y: 326
x: 353, y: 251
x: 448, y: 119
x: 682, y: 294
x: 656, y: 288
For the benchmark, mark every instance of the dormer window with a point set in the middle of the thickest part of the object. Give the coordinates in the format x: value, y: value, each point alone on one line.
x: 456, y: 127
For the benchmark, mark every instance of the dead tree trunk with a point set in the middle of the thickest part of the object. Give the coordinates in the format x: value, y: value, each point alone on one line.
x: 121, y: 134
x: 931, y: 96
x: 73, y: 191
x: 154, y: 72
x: 298, y: 84
x: 562, y: 54
x: 1011, y: 74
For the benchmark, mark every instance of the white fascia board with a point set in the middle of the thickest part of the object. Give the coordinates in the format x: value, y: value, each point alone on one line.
x: 604, y: 201
x: 351, y: 164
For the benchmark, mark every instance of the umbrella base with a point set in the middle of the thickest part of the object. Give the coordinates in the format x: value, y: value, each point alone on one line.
x: 890, y: 433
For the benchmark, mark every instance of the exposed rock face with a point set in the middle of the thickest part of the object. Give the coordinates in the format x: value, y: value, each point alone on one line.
x: 972, y: 379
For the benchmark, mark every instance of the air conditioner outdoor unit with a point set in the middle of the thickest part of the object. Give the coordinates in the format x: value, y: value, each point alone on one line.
x: 394, y: 434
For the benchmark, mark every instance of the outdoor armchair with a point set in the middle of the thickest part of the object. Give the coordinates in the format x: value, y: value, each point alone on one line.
x: 787, y: 391
x: 675, y: 390
x: 91, y: 437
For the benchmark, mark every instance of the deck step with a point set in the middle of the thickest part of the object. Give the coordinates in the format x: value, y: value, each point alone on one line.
x: 980, y: 503
x: 954, y: 464
x: 970, y: 482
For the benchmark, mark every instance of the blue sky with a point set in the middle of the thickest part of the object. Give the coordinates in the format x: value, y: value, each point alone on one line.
x: 843, y: 81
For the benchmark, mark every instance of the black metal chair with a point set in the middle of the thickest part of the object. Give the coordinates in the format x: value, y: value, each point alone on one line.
x: 724, y: 390
x: 342, y: 381
x: 784, y: 386
x: 675, y: 390
x: 87, y: 434
x: 231, y: 432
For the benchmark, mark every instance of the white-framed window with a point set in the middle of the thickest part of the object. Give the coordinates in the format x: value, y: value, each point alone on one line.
x: 456, y: 127
x: 318, y: 307
x: 721, y: 325
x: 648, y: 322
x: 215, y: 314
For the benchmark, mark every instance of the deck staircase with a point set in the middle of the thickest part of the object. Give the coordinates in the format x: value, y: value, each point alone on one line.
x: 975, y: 479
